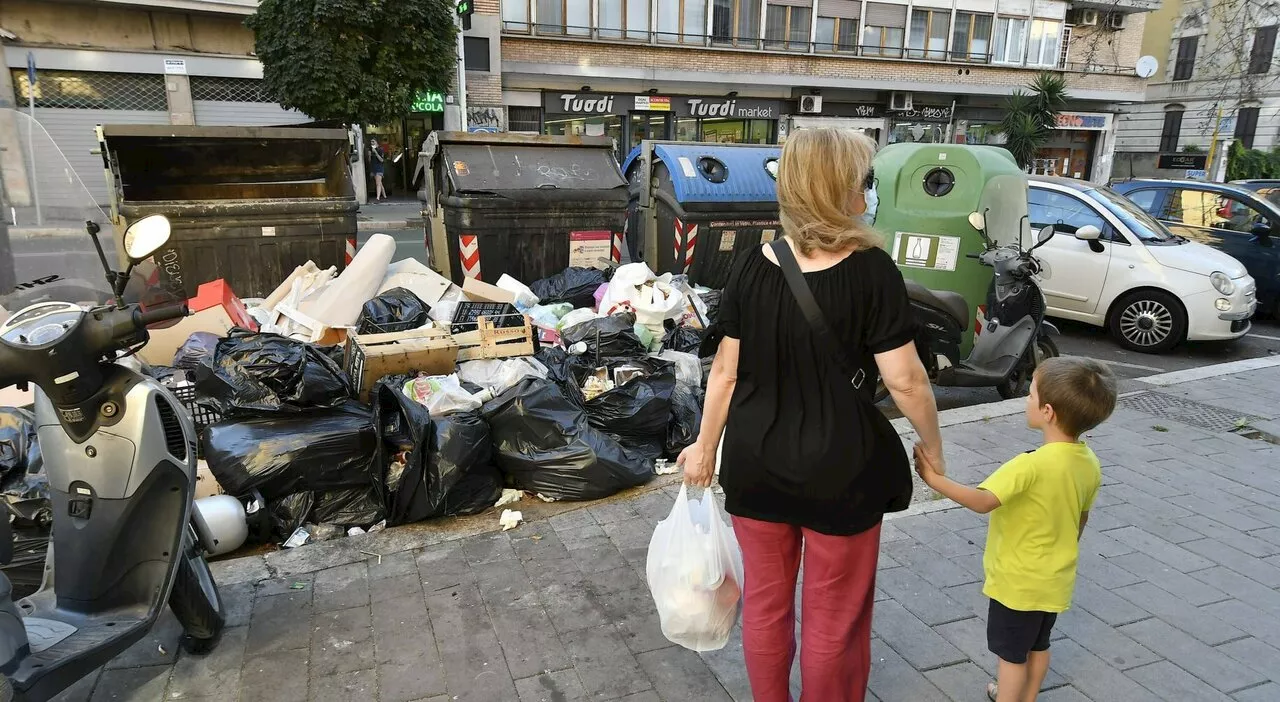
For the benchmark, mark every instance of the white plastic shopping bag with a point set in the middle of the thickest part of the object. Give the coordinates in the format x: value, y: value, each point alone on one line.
x: 695, y: 573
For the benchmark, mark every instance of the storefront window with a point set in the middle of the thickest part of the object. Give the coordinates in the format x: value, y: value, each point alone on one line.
x: 687, y: 129
x: 918, y: 133
x: 737, y: 131
x: 1011, y: 34
x: 979, y: 134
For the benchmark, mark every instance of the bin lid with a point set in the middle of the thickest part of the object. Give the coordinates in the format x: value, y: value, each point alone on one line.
x: 497, y: 163
x: 716, y: 172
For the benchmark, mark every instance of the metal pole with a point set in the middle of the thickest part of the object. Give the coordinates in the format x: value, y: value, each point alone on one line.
x: 1211, y: 166
x: 462, y: 76
x: 34, y: 178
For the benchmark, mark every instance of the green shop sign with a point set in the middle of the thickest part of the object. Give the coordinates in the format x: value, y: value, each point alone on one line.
x: 428, y: 102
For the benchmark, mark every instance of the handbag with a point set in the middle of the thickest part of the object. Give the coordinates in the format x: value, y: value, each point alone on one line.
x: 886, y: 453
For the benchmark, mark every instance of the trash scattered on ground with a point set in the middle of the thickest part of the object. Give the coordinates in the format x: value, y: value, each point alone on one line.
x: 510, y: 519
x: 664, y: 467
x: 508, y: 497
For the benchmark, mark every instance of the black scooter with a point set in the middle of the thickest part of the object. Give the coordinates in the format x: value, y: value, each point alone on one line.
x: 1014, y: 340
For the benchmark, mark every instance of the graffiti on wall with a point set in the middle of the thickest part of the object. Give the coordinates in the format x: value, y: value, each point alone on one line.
x: 486, y: 119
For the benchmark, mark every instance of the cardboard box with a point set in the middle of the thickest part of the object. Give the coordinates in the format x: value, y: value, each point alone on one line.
x: 214, y: 309
x: 477, y: 291
x: 370, y: 357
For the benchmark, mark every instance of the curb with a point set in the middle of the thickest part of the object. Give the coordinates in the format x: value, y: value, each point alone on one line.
x: 1214, y: 371
x: 378, y: 224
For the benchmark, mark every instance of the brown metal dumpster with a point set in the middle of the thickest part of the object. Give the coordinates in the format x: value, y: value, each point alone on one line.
x: 247, y: 204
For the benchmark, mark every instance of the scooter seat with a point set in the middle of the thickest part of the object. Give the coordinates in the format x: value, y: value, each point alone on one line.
x: 951, y: 303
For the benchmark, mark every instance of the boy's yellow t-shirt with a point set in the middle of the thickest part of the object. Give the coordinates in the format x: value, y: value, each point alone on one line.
x: 1030, y: 559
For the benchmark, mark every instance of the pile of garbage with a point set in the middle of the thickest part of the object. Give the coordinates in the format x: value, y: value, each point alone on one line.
x: 28, y: 508
x: 343, y: 404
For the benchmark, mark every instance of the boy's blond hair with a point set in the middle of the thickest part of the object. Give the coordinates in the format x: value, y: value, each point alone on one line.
x: 819, y: 171
x: 1081, y: 391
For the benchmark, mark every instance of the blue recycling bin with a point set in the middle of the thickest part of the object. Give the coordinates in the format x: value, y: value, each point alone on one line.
x: 712, y: 202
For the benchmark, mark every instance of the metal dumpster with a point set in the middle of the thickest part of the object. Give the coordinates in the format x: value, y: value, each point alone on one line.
x: 526, y: 205
x: 707, y: 203
x: 247, y: 204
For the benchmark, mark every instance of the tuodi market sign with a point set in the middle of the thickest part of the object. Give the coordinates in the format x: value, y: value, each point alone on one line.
x: 587, y: 104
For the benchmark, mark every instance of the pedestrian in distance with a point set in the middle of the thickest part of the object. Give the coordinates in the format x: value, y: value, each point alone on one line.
x: 377, y: 164
x: 810, y: 466
x: 1039, y: 504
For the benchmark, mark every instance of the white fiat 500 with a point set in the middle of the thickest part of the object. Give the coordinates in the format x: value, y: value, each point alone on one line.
x: 1112, y: 265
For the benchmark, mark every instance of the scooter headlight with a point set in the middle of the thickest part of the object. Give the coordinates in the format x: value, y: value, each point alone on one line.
x: 1222, y: 283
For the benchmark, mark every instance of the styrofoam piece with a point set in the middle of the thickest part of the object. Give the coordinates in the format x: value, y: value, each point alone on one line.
x: 418, y: 279
x: 340, y: 304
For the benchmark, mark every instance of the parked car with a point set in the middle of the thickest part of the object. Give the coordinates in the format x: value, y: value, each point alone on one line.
x: 1113, y: 265
x: 1230, y: 218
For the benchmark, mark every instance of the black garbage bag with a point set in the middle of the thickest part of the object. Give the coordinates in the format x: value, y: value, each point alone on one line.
x: 635, y: 414
x: 197, y: 350
x: 609, y: 336
x: 252, y: 374
x: 712, y: 300
x: 558, y: 363
x: 395, y: 310
x: 19, y: 445
x: 686, y: 418
x: 543, y: 444
x: 288, y: 513
x: 360, y: 507
x: 427, y: 458
x: 23, y: 484
x: 26, y: 568
x: 168, y: 375
x: 278, y: 456
x: 683, y: 339
x: 476, y: 491
x: 574, y: 285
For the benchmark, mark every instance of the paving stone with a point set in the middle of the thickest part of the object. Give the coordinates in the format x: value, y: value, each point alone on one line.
x: 1255, y: 654
x: 1269, y: 692
x: 1103, y: 572
x: 1249, y: 566
x: 237, y: 603
x: 921, y: 598
x: 615, y: 511
x: 1062, y: 694
x: 1269, y: 534
x: 1159, y: 549
x: 405, y: 682
x: 1172, y: 581
x: 679, y: 674
x: 1248, y: 619
x: 1263, y: 514
x: 395, y: 586
x: 392, y: 565
x: 132, y: 684
x: 487, y: 548
x: 505, y: 584
x: 963, y: 681
x: 728, y: 666
x: 1104, y: 604
x: 634, y: 617
x: 444, y: 566
x: 1102, y: 640
x: 402, y: 631
x: 970, y: 636
x: 469, y: 648
x: 572, y: 519
x: 1196, y: 657
x: 1093, y: 677
x: 344, y: 687
x: 1230, y: 536
x: 342, y: 642
x: 597, y: 557
x: 604, y: 664
x: 971, y: 598
x: 929, y: 564
x: 893, y: 679
x: 214, y: 674
x: 277, y: 676
x: 158, y: 647
x: 1249, y: 591
x: 1173, y: 683
x: 571, y: 605
x: 538, y: 542
x: 629, y: 533
x: 911, y: 638
x: 1179, y: 613
x: 294, y: 586
x: 280, y: 623
x: 557, y: 686
x: 653, y: 506
x: 81, y: 691
x: 343, y: 587
x: 529, y: 642
x: 1233, y: 518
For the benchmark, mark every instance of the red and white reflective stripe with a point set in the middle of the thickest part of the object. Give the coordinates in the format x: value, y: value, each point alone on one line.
x: 469, y: 255
x: 676, y: 240
x: 686, y: 237
x: 615, y: 248
x: 351, y: 250
x: 690, y: 241
x: 980, y: 320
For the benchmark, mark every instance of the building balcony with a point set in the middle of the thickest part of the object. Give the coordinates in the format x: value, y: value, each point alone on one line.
x: 1123, y: 6
x: 212, y: 7
x: 887, y: 54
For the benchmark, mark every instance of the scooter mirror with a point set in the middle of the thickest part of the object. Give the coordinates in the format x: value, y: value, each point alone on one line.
x: 1088, y: 233
x: 145, y: 236
x: 1045, y: 235
x: 977, y: 221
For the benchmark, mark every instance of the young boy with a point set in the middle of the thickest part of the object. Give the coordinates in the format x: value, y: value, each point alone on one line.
x: 1040, y: 503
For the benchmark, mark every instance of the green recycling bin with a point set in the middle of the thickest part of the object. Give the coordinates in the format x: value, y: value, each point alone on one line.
x: 940, y: 203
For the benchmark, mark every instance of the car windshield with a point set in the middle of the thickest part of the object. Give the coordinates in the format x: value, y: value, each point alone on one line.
x: 1143, y: 225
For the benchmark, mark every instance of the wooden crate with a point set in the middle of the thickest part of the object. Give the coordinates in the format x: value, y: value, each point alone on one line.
x: 370, y: 357
x: 488, y: 341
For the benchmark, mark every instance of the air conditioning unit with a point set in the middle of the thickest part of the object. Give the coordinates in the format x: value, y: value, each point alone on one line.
x: 1084, y: 18
x: 900, y: 102
x: 811, y: 105
x: 1115, y: 20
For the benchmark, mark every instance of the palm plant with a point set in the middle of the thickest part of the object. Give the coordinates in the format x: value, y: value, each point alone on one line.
x: 1030, y: 117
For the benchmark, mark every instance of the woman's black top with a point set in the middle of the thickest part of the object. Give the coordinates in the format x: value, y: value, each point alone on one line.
x: 791, y: 422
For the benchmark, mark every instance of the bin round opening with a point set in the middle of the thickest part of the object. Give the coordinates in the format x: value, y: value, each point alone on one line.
x: 713, y: 169
x: 938, y: 182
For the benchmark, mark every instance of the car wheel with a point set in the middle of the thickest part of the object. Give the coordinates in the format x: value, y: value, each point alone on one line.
x: 1149, y: 321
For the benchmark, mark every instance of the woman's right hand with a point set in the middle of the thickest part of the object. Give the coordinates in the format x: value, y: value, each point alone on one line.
x: 699, y: 465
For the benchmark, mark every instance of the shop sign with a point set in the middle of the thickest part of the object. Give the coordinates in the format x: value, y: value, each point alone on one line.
x: 924, y: 113
x: 1182, y: 162
x: 730, y: 107
x: 652, y: 103
x: 1090, y: 121
x: 611, y: 104
x: 428, y: 101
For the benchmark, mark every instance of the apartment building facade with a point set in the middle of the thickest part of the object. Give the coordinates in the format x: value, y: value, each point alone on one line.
x: 753, y: 70
x: 1219, y: 79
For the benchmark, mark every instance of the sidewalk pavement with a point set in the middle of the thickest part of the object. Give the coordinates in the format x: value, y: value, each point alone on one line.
x: 393, y: 214
x: 1178, y: 596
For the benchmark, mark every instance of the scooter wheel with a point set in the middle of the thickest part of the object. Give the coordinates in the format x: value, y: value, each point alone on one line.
x: 6, y: 689
x: 196, y: 603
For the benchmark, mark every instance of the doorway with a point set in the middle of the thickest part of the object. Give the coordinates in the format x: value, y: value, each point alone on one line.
x: 648, y: 125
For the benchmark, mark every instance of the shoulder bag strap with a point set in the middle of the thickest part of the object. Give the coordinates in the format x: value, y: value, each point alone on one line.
x: 809, y: 307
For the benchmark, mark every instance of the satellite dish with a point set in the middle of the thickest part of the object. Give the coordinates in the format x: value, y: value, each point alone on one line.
x: 1146, y: 66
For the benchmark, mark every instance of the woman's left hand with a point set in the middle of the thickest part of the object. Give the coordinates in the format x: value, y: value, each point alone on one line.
x: 699, y: 465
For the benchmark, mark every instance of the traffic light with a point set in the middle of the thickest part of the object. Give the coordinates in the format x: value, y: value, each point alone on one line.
x: 465, y: 10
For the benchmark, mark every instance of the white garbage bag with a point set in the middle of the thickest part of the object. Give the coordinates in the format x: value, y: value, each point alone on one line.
x: 695, y: 573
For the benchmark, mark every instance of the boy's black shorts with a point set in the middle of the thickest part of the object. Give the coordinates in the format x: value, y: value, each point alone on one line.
x: 1012, y: 634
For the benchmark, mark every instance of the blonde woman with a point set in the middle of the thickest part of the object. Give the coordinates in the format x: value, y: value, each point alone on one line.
x: 800, y: 471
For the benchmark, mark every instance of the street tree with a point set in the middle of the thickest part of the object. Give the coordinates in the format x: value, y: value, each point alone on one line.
x: 354, y: 60
x: 1030, y: 117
